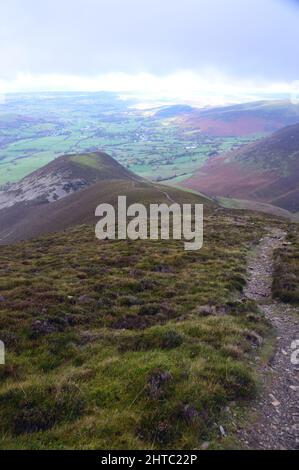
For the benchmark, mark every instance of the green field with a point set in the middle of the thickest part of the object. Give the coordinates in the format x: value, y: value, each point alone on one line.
x: 37, y: 130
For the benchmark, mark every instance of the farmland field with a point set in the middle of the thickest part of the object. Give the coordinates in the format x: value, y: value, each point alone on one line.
x: 35, y: 129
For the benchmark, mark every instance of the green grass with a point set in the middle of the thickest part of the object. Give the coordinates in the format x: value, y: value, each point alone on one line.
x: 90, y: 160
x: 16, y: 169
x: 147, y: 145
x: 126, y: 345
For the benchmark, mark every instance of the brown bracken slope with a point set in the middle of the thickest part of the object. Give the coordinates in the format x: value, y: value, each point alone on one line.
x: 263, y: 117
x: 265, y: 171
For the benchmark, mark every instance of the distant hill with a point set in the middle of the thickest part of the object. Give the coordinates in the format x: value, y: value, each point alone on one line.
x: 62, y: 177
x: 67, y: 191
x: 173, y: 111
x: 242, y: 119
x: 265, y: 171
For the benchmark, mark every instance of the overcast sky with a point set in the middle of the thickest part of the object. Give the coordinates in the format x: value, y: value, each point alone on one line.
x: 62, y: 44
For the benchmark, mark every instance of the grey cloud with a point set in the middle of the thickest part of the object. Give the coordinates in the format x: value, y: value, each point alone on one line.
x: 257, y: 38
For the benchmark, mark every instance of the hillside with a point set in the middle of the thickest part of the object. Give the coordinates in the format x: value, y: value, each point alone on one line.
x: 67, y: 191
x: 241, y: 120
x: 265, y: 171
x: 62, y: 177
x: 128, y: 345
x: 173, y: 111
x: 122, y: 344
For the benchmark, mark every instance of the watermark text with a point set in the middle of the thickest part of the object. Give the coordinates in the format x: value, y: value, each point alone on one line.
x: 160, y: 221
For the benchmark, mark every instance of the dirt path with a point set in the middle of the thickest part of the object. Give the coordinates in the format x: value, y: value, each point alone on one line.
x: 276, y: 424
x: 165, y: 193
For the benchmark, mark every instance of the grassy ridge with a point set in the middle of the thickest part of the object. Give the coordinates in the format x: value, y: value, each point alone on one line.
x: 126, y: 344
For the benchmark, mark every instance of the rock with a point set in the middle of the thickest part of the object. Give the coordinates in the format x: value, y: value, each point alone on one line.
x: 275, y: 402
x: 205, y: 445
x: 222, y: 431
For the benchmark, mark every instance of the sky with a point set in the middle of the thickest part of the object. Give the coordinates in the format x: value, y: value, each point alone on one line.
x: 205, y: 50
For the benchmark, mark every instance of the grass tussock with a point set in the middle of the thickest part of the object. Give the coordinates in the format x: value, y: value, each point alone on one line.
x: 286, y: 269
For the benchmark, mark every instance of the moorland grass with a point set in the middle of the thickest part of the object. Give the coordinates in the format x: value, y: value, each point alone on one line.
x: 126, y: 345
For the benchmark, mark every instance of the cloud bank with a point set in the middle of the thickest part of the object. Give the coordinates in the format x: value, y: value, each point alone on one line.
x: 206, y: 88
x: 189, y: 48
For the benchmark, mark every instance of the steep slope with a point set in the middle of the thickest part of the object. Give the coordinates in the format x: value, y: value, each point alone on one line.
x: 36, y: 216
x: 265, y: 171
x: 242, y: 120
x: 62, y: 177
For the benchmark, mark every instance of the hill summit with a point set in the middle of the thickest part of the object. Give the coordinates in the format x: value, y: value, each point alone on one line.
x: 62, y: 177
x: 67, y: 191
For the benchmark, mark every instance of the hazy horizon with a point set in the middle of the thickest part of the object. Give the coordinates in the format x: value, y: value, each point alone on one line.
x: 180, y: 51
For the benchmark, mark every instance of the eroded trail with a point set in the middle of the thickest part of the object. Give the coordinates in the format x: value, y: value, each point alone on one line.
x: 276, y: 424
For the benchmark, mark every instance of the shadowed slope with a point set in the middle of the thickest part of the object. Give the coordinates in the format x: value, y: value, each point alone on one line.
x: 30, y: 219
